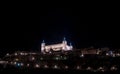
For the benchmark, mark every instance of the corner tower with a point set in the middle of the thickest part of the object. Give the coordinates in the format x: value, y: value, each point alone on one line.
x: 42, y: 46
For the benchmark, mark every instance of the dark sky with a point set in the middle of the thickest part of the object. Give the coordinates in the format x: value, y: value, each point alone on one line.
x: 23, y: 28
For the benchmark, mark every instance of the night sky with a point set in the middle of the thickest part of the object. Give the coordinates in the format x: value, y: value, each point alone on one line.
x: 23, y: 28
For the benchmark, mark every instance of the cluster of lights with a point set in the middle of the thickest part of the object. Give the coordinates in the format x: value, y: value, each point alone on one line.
x: 37, y: 65
x: 78, y: 67
x: 16, y: 54
x: 23, y: 53
x: 28, y: 65
x: 61, y: 58
x: 46, y: 66
x: 41, y: 58
x: 89, y: 68
x: 118, y: 54
x: 7, y: 54
x: 16, y: 59
x: 33, y: 58
x: 113, y: 54
x: 17, y: 62
x: 113, y: 68
x: 82, y: 55
x: 55, y: 66
x: 66, y: 67
x: 3, y: 62
x: 32, y: 53
x: 101, y: 69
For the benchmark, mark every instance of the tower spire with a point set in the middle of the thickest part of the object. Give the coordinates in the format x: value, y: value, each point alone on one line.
x: 42, y: 46
x: 64, y: 41
x: 71, y: 47
x: 43, y: 41
x: 64, y: 38
x: 70, y: 44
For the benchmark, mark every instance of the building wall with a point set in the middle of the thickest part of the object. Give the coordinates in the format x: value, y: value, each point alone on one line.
x: 89, y: 51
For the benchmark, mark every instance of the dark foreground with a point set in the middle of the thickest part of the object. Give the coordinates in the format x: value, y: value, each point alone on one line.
x: 49, y: 71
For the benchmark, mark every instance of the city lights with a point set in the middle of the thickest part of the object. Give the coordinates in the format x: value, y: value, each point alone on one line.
x: 89, y: 68
x: 55, y: 67
x: 37, y: 65
x: 16, y: 54
x: 46, y: 66
x: 16, y: 59
x: 22, y: 64
x: 113, y: 68
x: 66, y: 67
x: 41, y: 58
x: 28, y: 65
x: 15, y: 63
x: 33, y: 58
x: 78, y: 67
x: 86, y: 59
x: 7, y: 54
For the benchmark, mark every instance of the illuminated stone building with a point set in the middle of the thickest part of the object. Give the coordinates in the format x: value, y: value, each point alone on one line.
x: 63, y: 46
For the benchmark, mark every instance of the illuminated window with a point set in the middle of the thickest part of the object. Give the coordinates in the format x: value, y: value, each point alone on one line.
x: 7, y: 54
x: 18, y: 64
x: 16, y: 59
x: 15, y: 62
x: 22, y: 64
x: 33, y: 58
x: 11, y: 62
x: 113, y: 68
x: 107, y: 54
x: 37, y: 65
x: 78, y: 67
x: 21, y: 53
x: 55, y: 67
x: 56, y: 58
x: 88, y: 68
x: 41, y: 58
x: 28, y: 65
x: 16, y: 54
x: 45, y: 66
x: 64, y: 58
x: 66, y: 67
x: 82, y: 55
